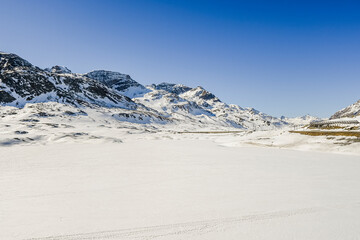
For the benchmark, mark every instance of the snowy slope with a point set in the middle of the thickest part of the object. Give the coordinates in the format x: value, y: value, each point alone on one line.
x: 200, y: 105
x: 233, y: 114
x: 304, y: 120
x: 350, y: 111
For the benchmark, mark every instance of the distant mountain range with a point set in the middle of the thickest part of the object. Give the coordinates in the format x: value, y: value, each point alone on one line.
x: 22, y: 83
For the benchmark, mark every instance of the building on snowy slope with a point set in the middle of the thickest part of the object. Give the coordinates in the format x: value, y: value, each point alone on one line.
x: 337, y: 123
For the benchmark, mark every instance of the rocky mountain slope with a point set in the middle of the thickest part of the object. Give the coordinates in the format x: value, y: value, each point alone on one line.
x: 122, y: 83
x: 125, y: 100
x: 176, y: 99
x: 21, y: 83
x: 350, y: 111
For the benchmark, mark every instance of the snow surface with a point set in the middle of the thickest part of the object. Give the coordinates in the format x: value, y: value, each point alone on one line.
x: 157, y: 187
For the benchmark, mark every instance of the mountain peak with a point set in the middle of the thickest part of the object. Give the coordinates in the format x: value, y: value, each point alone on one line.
x: 58, y: 69
x: 10, y: 60
x: 120, y: 82
x: 201, y: 93
x: 171, y: 87
x: 106, y: 76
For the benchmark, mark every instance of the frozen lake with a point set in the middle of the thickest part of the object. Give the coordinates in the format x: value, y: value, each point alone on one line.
x: 176, y: 189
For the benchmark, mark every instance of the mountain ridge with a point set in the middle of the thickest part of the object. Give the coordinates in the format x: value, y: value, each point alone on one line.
x: 22, y: 83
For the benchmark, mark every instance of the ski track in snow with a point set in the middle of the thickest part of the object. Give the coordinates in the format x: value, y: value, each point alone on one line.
x: 192, y: 228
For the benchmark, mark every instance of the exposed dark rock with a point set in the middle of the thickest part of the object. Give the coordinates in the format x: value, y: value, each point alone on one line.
x: 118, y: 81
x: 6, y: 97
x: 21, y: 132
x: 171, y: 87
x: 21, y: 83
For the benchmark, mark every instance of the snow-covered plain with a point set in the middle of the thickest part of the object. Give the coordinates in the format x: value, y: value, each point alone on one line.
x: 176, y: 186
x: 72, y: 173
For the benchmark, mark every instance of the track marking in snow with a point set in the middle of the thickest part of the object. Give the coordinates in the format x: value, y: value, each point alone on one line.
x: 192, y: 228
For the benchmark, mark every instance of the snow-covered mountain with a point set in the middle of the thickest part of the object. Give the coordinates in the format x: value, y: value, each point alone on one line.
x: 125, y: 99
x: 304, y: 120
x: 203, y: 106
x: 21, y: 83
x: 351, y: 111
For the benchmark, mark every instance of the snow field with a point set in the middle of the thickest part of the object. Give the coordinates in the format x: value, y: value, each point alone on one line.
x: 176, y: 189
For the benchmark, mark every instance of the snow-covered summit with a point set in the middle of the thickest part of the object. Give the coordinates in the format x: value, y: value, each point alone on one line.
x: 170, y: 87
x: 58, y: 69
x: 120, y: 82
x: 202, y: 97
x: 200, y: 93
x: 10, y: 60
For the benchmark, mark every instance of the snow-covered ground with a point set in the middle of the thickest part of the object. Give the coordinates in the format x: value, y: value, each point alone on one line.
x: 49, y: 123
x: 176, y: 186
x: 72, y: 173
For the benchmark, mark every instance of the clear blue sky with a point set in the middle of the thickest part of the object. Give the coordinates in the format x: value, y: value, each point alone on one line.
x: 280, y: 57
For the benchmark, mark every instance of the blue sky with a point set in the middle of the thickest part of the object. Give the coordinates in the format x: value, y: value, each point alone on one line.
x: 281, y: 57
